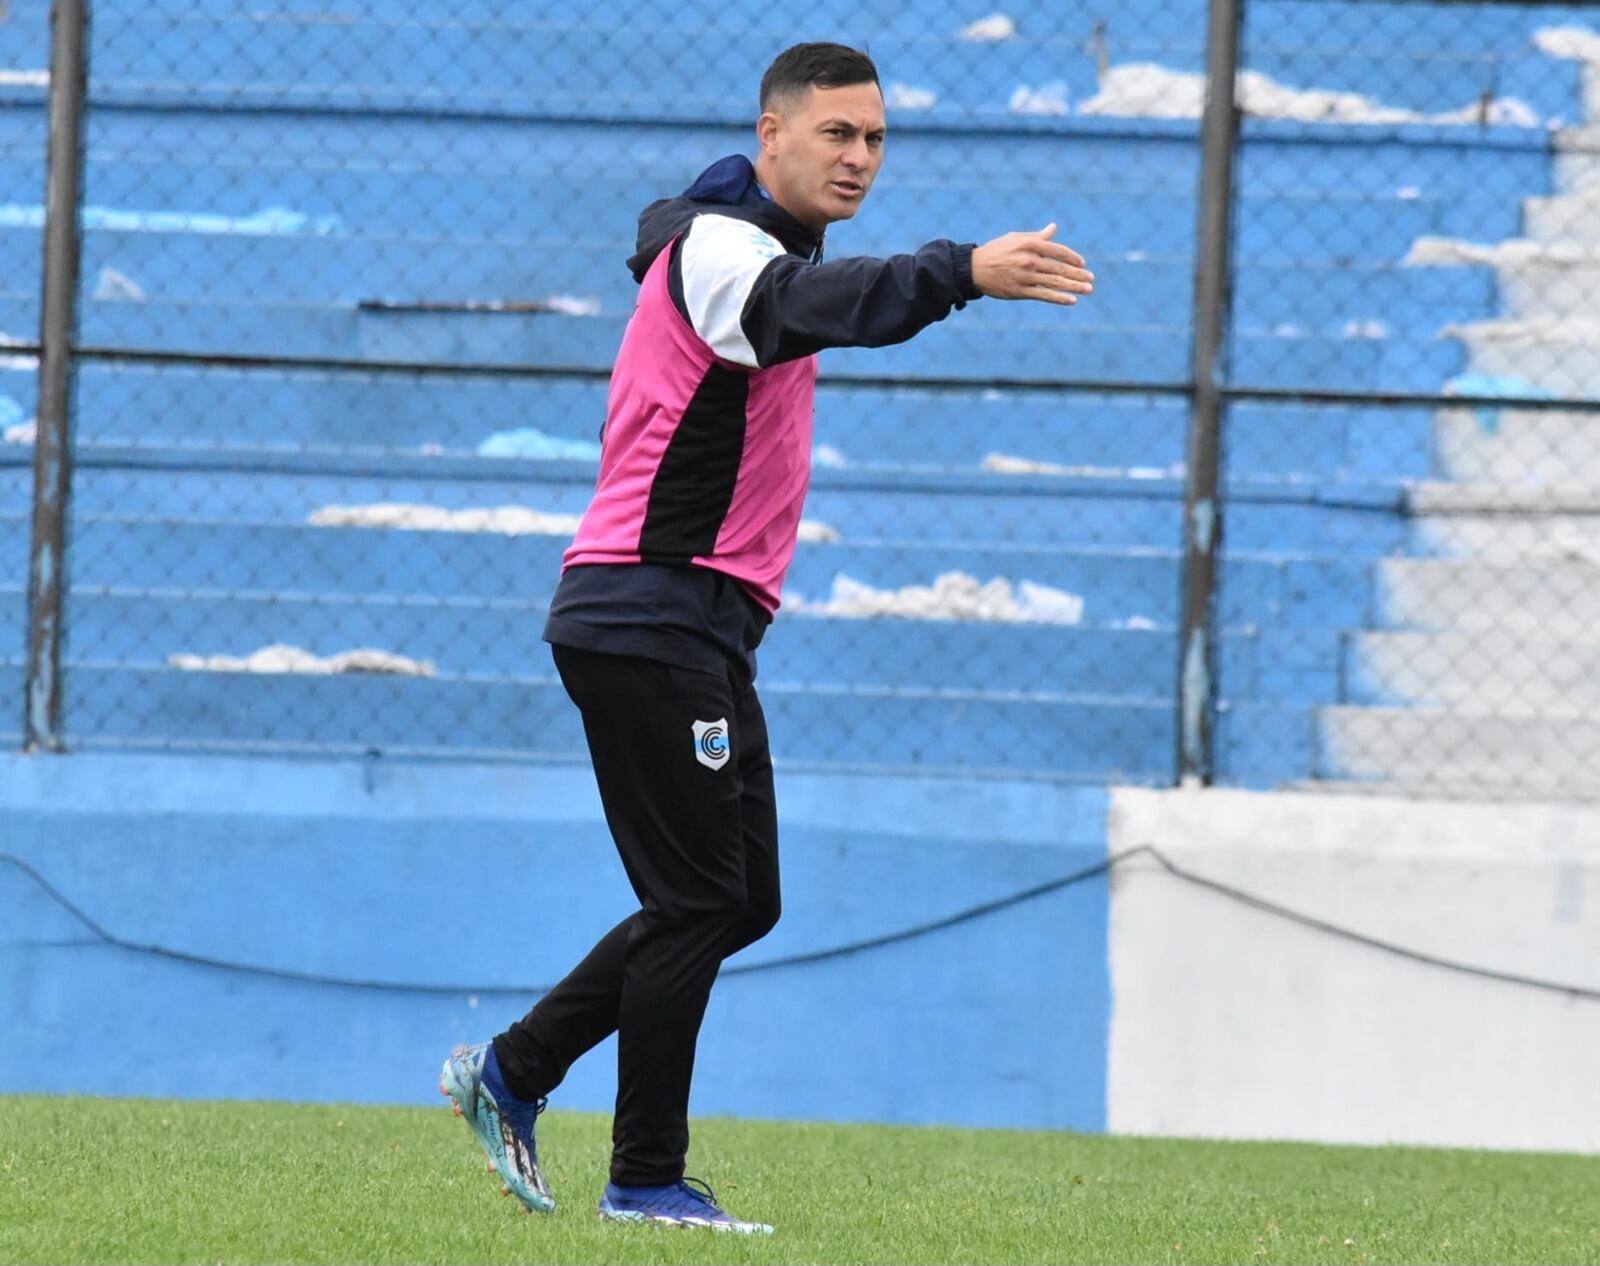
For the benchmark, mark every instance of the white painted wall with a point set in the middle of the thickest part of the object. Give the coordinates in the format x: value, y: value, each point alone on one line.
x: 1229, y: 1022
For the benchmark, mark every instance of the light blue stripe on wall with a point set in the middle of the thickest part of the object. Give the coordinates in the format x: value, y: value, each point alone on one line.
x: 481, y: 875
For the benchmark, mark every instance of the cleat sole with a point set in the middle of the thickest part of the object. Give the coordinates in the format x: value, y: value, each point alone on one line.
x: 450, y: 1085
x: 634, y: 1218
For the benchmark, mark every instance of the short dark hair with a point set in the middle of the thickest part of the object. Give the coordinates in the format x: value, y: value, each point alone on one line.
x: 795, y: 70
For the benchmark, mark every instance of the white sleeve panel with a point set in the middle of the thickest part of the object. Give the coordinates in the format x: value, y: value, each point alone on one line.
x: 721, y: 259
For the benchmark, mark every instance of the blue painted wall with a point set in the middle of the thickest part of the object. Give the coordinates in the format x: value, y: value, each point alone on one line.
x: 501, y: 876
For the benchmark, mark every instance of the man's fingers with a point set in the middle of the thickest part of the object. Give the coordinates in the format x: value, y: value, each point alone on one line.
x: 1057, y: 287
x: 1053, y: 268
x: 1047, y: 232
x: 1074, y: 279
x: 1055, y: 250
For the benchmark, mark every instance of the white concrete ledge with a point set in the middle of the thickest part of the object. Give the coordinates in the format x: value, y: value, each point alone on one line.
x: 1229, y: 1022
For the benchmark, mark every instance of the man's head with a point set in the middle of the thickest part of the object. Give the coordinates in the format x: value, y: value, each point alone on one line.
x: 821, y: 131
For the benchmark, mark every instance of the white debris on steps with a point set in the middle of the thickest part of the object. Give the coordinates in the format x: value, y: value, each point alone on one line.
x: 531, y: 442
x: 574, y: 305
x: 1008, y: 464
x: 954, y: 595
x: 1577, y: 44
x: 1146, y: 90
x: 114, y: 286
x: 1049, y: 98
x: 19, y: 427
x: 265, y: 222
x: 899, y: 96
x: 504, y: 520
x: 1511, y: 253
x: 282, y: 658
x: 990, y: 30
x: 816, y: 532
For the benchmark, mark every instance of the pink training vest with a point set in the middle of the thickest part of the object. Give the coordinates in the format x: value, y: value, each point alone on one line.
x: 659, y: 368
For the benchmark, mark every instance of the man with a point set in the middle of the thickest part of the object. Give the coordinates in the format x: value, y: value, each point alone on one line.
x: 671, y: 581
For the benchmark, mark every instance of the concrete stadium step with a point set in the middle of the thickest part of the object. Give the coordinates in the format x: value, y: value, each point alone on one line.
x: 1118, y: 586
x: 971, y: 348
x: 1573, y: 217
x: 1281, y: 158
x: 1521, y: 522
x: 408, y: 63
x: 1313, y: 295
x: 652, y: 72
x: 1308, y: 288
x: 572, y: 70
x: 1494, y: 671
x: 1561, y: 355
x: 1080, y: 737
x: 1330, y: 21
x: 1492, y: 755
x: 909, y: 508
x: 1412, y: 76
x: 1540, y: 538
x: 288, y: 409
x: 1289, y: 160
x: 1577, y: 165
x: 906, y: 208
x: 1368, y: 24
x: 1547, y: 281
x: 1073, y: 738
x: 1323, y: 23
x: 1558, y: 600
x: 1518, y: 447
x: 143, y: 628
x: 278, y: 409
x: 1171, y: 22
x: 974, y: 348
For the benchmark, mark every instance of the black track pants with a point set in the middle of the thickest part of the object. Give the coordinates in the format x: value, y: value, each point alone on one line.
x: 685, y: 777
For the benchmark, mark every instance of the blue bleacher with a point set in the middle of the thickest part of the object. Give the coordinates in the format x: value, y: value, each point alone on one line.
x: 404, y: 160
x: 602, y: 65
x: 907, y: 427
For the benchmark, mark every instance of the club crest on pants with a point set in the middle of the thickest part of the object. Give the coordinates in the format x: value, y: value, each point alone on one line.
x: 711, y: 743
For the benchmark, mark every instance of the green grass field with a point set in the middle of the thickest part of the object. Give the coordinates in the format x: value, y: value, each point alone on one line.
x: 99, y: 1180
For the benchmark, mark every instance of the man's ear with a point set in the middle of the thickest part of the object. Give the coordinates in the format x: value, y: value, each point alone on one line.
x: 767, y: 128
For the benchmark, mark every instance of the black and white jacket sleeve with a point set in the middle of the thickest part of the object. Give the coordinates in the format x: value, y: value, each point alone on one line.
x: 757, y: 305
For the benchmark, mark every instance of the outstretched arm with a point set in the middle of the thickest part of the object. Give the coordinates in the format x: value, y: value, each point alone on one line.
x: 758, y: 306
x: 796, y: 308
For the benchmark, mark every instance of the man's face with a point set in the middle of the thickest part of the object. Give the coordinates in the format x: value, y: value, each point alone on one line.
x: 823, y: 150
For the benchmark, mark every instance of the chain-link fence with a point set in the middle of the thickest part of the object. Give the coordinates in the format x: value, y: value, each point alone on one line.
x: 351, y: 285
x: 1418, y: 220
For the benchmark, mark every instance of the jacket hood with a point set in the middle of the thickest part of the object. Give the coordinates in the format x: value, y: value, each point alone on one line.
x: 729, y: 187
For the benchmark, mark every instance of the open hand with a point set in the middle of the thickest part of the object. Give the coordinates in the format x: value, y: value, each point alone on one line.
x: 1031, y: 266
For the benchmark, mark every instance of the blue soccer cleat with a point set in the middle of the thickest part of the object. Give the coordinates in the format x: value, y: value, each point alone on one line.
x: 502, y: 1122
x: 688, y: 1202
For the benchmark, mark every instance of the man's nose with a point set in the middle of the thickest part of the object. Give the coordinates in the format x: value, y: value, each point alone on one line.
x: 857, y: 156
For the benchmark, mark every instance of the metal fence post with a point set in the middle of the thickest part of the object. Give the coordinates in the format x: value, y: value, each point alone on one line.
x: 1202, y: 517
x: 52, y: 453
